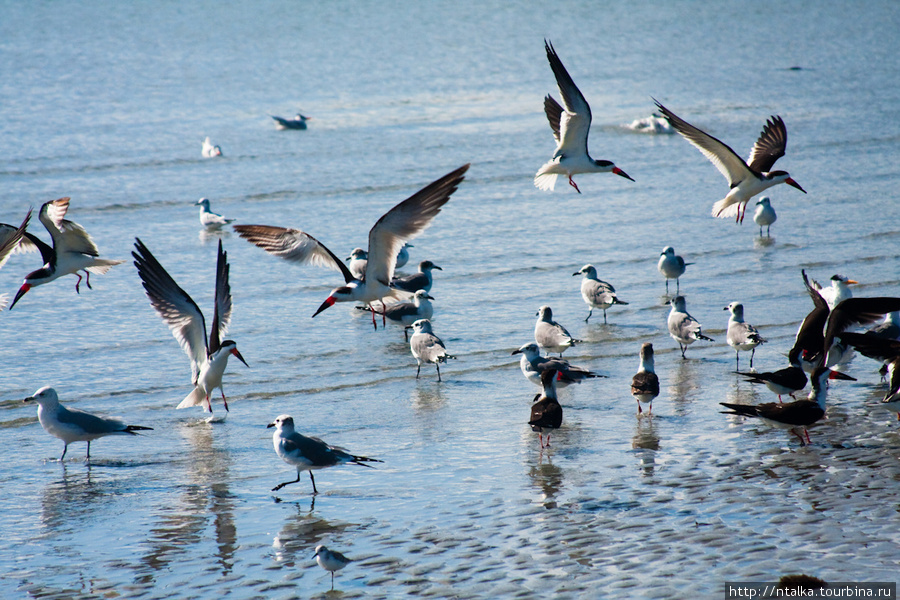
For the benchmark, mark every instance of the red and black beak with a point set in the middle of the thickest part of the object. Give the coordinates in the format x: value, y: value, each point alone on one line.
x: 239, y: 357
x: 622, y: 173
x: 838, y: 375
x: 329, y: 301
x: 793, y: 183
x: 22, y: 290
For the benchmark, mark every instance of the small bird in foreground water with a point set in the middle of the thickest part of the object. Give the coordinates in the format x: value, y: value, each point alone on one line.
x: 330, y: 560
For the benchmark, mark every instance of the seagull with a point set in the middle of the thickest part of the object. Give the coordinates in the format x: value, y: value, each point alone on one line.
x: 357, y: 263
x: 427, y: 347
x: 404, y: 221
x: 764, y: 215
x: 308, y: 453
x: 298, y: 122
x: 546, y: 413
x: 645, y: 383
x: 570, y: 127
x: 838, y: 292
x: 672, y: 267
x: 745, y: 179
x: 208, y: 150
x: 330, y: 560
x: 533, y: 365
x: 403, y: 256
x: 73, y: 250
x: 73, y: 425
x: 741, y: 335
x: 596, y: 293
x: 406, y: 313
x: 887, y: 350
x: 184, y: 318
x: 422, y: 280
x: 550, y: 335
x: 652, y: 124
x: 797, y: 414
x: 209, y: 219
x: 684, y: 328
x: 10, y: 237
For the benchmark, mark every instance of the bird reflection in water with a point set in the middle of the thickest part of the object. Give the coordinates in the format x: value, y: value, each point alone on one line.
x: 301, y: 531
x: 548, y: 478
x: 645, y: 443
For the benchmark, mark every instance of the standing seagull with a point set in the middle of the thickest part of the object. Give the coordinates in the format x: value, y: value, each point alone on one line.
x: 209, y: 219
x: 184, y: 318
x: 330, y: 560
x: 73, y: 250
x: 550, y: 335
x: 645, y: 383
x: 10, y: 237
x: 308, y: 453
x: 403, y: 256
x: 745, y: 179
x: 764, y: 215
x: 596, y: 292
x: 403, y: 222
x: 534, y: 365
x: 684, y: 328
x: 422, y: 280
x: 356, y: 262
x: 793, y: 415
x: 207, y: 149
x: 73, y: 425
x: 570, y: 126
x: 672, y: 267
x: 407, y: 313
x: 546, y: 412
x: 741, y: 335
x: 427, y: 347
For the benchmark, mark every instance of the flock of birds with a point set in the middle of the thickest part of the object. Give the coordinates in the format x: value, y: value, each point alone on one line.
x: 370, y: 280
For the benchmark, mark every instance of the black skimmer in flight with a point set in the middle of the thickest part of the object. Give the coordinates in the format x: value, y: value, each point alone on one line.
x: 571, y: 125
x: 533, y: 365
x: 645, y: 383
x: 330, y: 560
x: 308, y: 453
x: 745, y: 179
x: 298, y: 122
x: 741, y: 336
x: 209, y: 356
x: 886, y: 350
x: 10, y: 236
x: 684, y: 328
x: 426, y: 347
x: 73, y: 250
x: 671, y: 266
x: 546, y: 412
x: 73, y: 425
x: 403, y: 222
x: 596, y: 292
x: 793, y: 415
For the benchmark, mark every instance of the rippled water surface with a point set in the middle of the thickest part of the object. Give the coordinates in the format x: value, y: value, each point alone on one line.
x: 108, y: 102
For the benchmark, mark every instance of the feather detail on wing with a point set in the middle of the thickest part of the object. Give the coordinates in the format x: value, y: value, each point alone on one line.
x: 295, y: 246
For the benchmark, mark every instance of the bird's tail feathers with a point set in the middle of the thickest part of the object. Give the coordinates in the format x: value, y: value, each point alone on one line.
x: 362, y: 460
x: 102, y: 265
x: 195, y: 398
x: 132, y: 428
x: 745, y: 410
x: 617, y: 301
x: 700, y: 336
x: 545, y: 181
x: 725, y: 208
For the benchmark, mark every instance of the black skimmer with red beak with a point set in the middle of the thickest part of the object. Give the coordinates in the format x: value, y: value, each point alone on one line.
x: 73, y: 250
x: 10, y: 237
x: 793, y: 415
x: 745, y: 179
x: 546, y: 412
x: 645, y: 383
x: 787, y: 381
x: 403, y: 222
x: 209, y: 356
x: 570, y: 126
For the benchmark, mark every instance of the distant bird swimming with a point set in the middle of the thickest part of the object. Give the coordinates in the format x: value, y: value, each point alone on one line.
x: 208, y: 150
x: 208, y: 218
x: 570, y: 126
x: 298, y: 122
x: 746, y: 179
x: 652, y: 124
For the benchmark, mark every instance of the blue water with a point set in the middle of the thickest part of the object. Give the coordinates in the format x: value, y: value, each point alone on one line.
x: 109, y: 102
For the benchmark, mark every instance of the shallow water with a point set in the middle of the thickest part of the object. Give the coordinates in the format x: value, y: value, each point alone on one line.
x: 108, y: 104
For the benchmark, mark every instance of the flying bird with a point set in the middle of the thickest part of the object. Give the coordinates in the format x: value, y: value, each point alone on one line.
x: 73, y: 250
x: 571, y: 125
x: 403, y: 222
x: 209, y: 356
x: 745, y: 179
